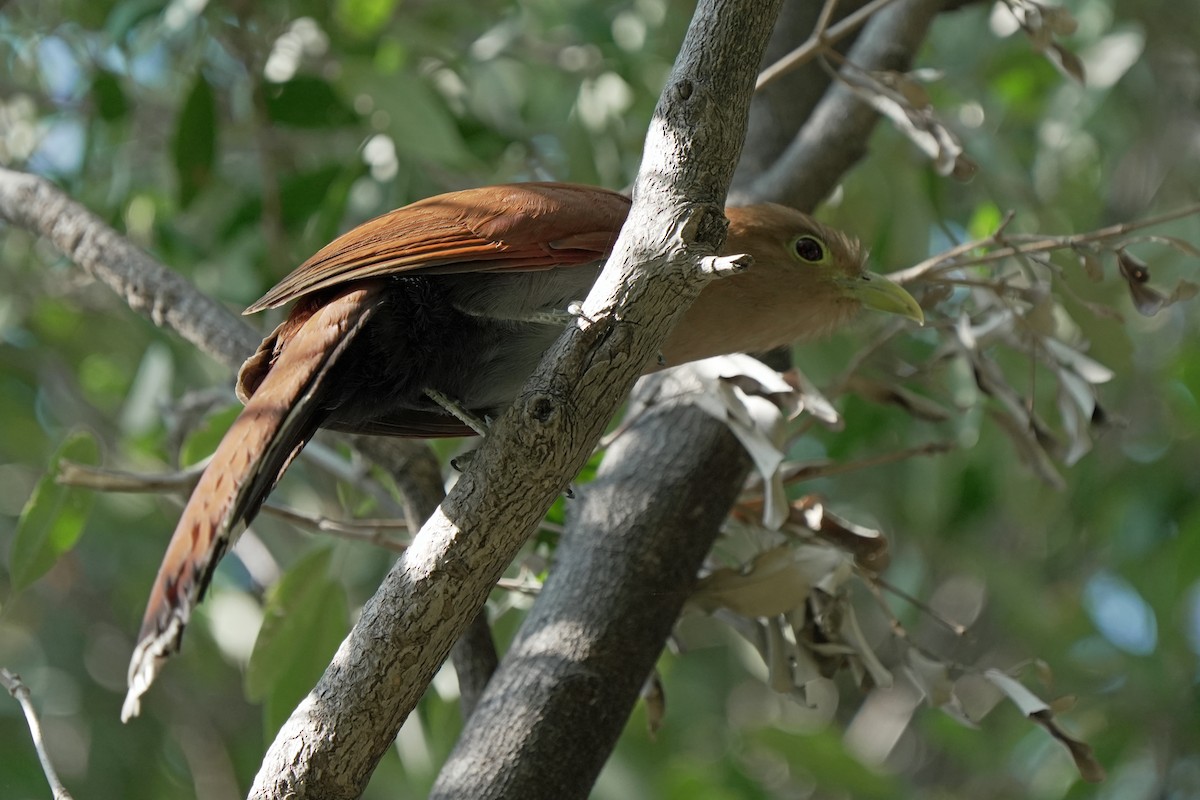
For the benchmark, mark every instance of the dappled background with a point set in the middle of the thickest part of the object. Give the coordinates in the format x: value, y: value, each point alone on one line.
x: 232, y: 140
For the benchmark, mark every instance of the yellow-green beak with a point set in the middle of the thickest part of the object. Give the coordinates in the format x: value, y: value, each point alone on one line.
x: 878, y: 293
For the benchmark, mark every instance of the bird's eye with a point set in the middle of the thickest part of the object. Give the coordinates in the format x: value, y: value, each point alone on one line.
x: 810, y: 249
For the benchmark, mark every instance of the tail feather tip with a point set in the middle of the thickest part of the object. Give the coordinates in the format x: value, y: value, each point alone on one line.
x: 147, y: 661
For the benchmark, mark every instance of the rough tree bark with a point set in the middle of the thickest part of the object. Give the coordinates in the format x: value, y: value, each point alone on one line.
x: 552, y: 713
x: 334, y: 739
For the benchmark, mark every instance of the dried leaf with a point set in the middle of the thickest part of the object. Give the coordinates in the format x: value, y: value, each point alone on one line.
x: 1146, y: 299
x: 655, y: 700
x: 1039, y: 319
x: 1063, y: 704
x: 751, y: 398
x: 1087, y: 368
x: 1132, y: 267
x: 776, y: 581
x: 1091, y: 264
x: 778, y: 658
x: 886, y: 393
x: 868, y: 546
x: 1075, y: 422
x: 911, y: 90
x: 1182, y: 245
x: 932, y: 677
x: 1067, y: 62
x: 1030, y: 449
x: 1044, y: 672
x: 852, y: 633
x: 1184, y: 290
x: 916, y: 121
x: 1040, y: 712
x: 811, y: 399
x: 787, y: 401
x: 1059, y: 21
x: 1085, y: 759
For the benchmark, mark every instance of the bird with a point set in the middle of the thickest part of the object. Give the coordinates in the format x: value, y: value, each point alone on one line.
x: 427, y: 320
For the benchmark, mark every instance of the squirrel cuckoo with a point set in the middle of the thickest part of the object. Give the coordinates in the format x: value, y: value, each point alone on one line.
x: 434, y: 314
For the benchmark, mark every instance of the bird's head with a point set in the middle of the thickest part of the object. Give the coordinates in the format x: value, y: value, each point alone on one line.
x: 807, y: 279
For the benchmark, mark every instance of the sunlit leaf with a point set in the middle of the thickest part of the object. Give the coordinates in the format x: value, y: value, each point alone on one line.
x: 364, y: 18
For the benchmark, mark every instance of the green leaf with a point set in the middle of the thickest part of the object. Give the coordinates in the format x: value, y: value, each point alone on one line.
x: 109, y: 97
x: 421, y: 123
x: 984, y: 221
x: 308, y: 102
x: 320, y: 193
x: 53, y: 519
x: 305, y: 619
x: 203, y: 440
x: 195, y: 147
x: 364, y: 18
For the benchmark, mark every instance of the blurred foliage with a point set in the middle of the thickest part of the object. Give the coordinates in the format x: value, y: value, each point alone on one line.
x: 232, y: 140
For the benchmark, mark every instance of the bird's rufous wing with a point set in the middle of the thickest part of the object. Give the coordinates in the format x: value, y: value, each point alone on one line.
x: 523, y: 226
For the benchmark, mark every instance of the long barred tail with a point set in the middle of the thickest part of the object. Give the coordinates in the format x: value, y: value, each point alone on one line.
x: 279, y: 418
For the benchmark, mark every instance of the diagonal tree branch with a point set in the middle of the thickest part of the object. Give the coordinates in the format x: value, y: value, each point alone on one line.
x: 166, y: 298
x: 336, y: 736
x: 551, y: 716
x: 552, y: 713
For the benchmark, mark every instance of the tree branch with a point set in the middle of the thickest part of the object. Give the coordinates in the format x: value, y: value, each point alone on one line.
x: 164, y: 297
x: 554, y: 709
x: 334, y: 739
x: 12, y: 682
x: 418, y: 475
x: 834, y: 138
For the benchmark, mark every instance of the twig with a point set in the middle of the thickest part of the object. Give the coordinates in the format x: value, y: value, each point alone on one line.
x: 820, y: 40
x: 111, y: 480
x: 371, y: 531
x: 877, y: 583
x: 826, y: 469
x: 17, y: 688
x: 1008, y: 246
x: 115, y: 480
